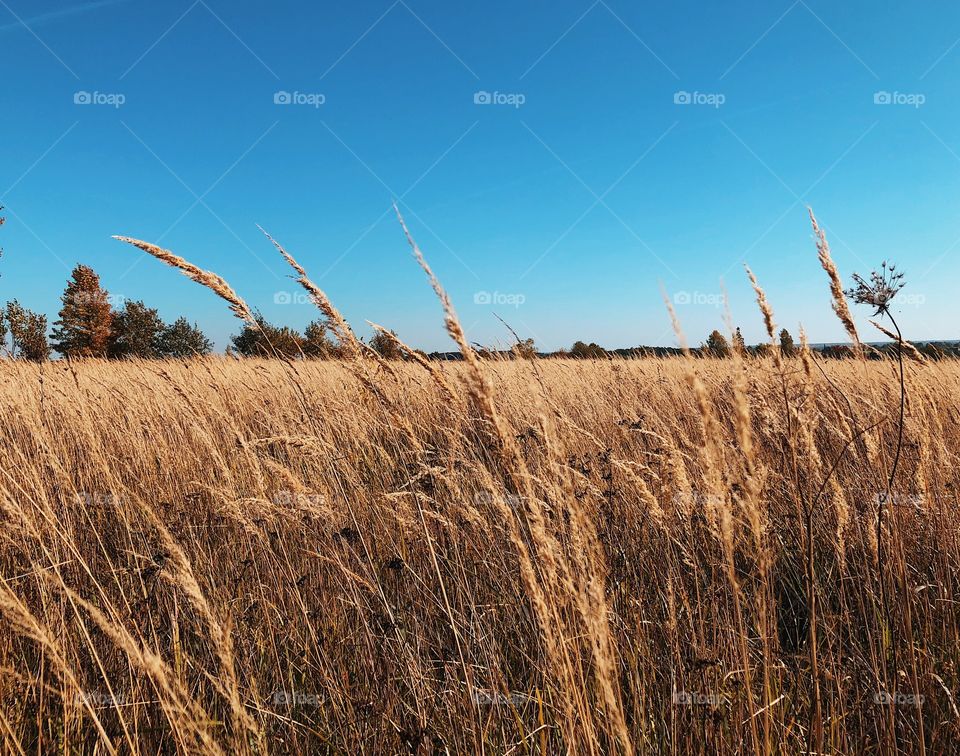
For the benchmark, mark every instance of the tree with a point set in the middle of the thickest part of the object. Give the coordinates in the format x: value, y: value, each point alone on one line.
x: 28, y: 333
x: 83, y: 328
x: 316, y: 343
x: 3, y: 330
x: 181, y: 340
x: 265, y: 340
x: 591, y: 351
x: 386, y: 347
x: 135, y: 332
x: 787, y: 348
x: 525, y: 349
x: 716, y: 345
x: 739, y: 345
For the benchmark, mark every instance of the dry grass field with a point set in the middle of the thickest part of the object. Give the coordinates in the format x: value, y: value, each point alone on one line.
x: 648, y: 556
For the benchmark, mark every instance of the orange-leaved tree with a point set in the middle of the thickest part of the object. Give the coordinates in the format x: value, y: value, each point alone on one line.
x: 83, y: 328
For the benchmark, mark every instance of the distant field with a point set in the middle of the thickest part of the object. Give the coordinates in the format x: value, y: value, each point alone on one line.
x: 594, y: 557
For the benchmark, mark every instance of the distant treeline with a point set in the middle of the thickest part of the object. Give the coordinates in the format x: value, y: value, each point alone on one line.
x: 88, y: 325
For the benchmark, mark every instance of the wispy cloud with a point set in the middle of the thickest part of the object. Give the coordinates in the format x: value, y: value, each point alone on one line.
x: 42, y: 19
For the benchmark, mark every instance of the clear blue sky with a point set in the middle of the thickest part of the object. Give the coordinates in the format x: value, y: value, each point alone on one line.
x: 568, y: 210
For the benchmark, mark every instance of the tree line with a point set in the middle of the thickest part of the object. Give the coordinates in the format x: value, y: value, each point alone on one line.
x: 89, y: 326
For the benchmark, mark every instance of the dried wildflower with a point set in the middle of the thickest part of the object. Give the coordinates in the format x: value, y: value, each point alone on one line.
x: 878, y: 293
x: 883, y: 286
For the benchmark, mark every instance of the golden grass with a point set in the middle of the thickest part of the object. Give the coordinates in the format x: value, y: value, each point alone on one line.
x: 490, y: 556
x: 589, y: 557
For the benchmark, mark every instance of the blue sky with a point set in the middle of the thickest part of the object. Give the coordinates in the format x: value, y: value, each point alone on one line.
x: 620, y: 147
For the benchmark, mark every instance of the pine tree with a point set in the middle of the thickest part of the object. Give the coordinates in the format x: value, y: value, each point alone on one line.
x: 181, y: 340
x: 787, y: 348
x: 716, y: 345
x: 739, y: 344
x: 83, y: 328
x: 135, y: 332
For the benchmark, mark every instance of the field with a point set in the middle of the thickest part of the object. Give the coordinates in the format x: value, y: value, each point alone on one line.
x: 527, y: 556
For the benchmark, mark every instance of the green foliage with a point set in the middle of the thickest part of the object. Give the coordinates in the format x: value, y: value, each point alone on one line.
x: 787, y: 349
x: 28, y: 333
x: 265, y: 340
x: 582, y: 351
x: 316, y: 342
x: 763, y: 350
x: 135, y: 332
x: 738, y: 343
x: 180, y: 339
x: 386, y: 347
x: 525, y: 349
